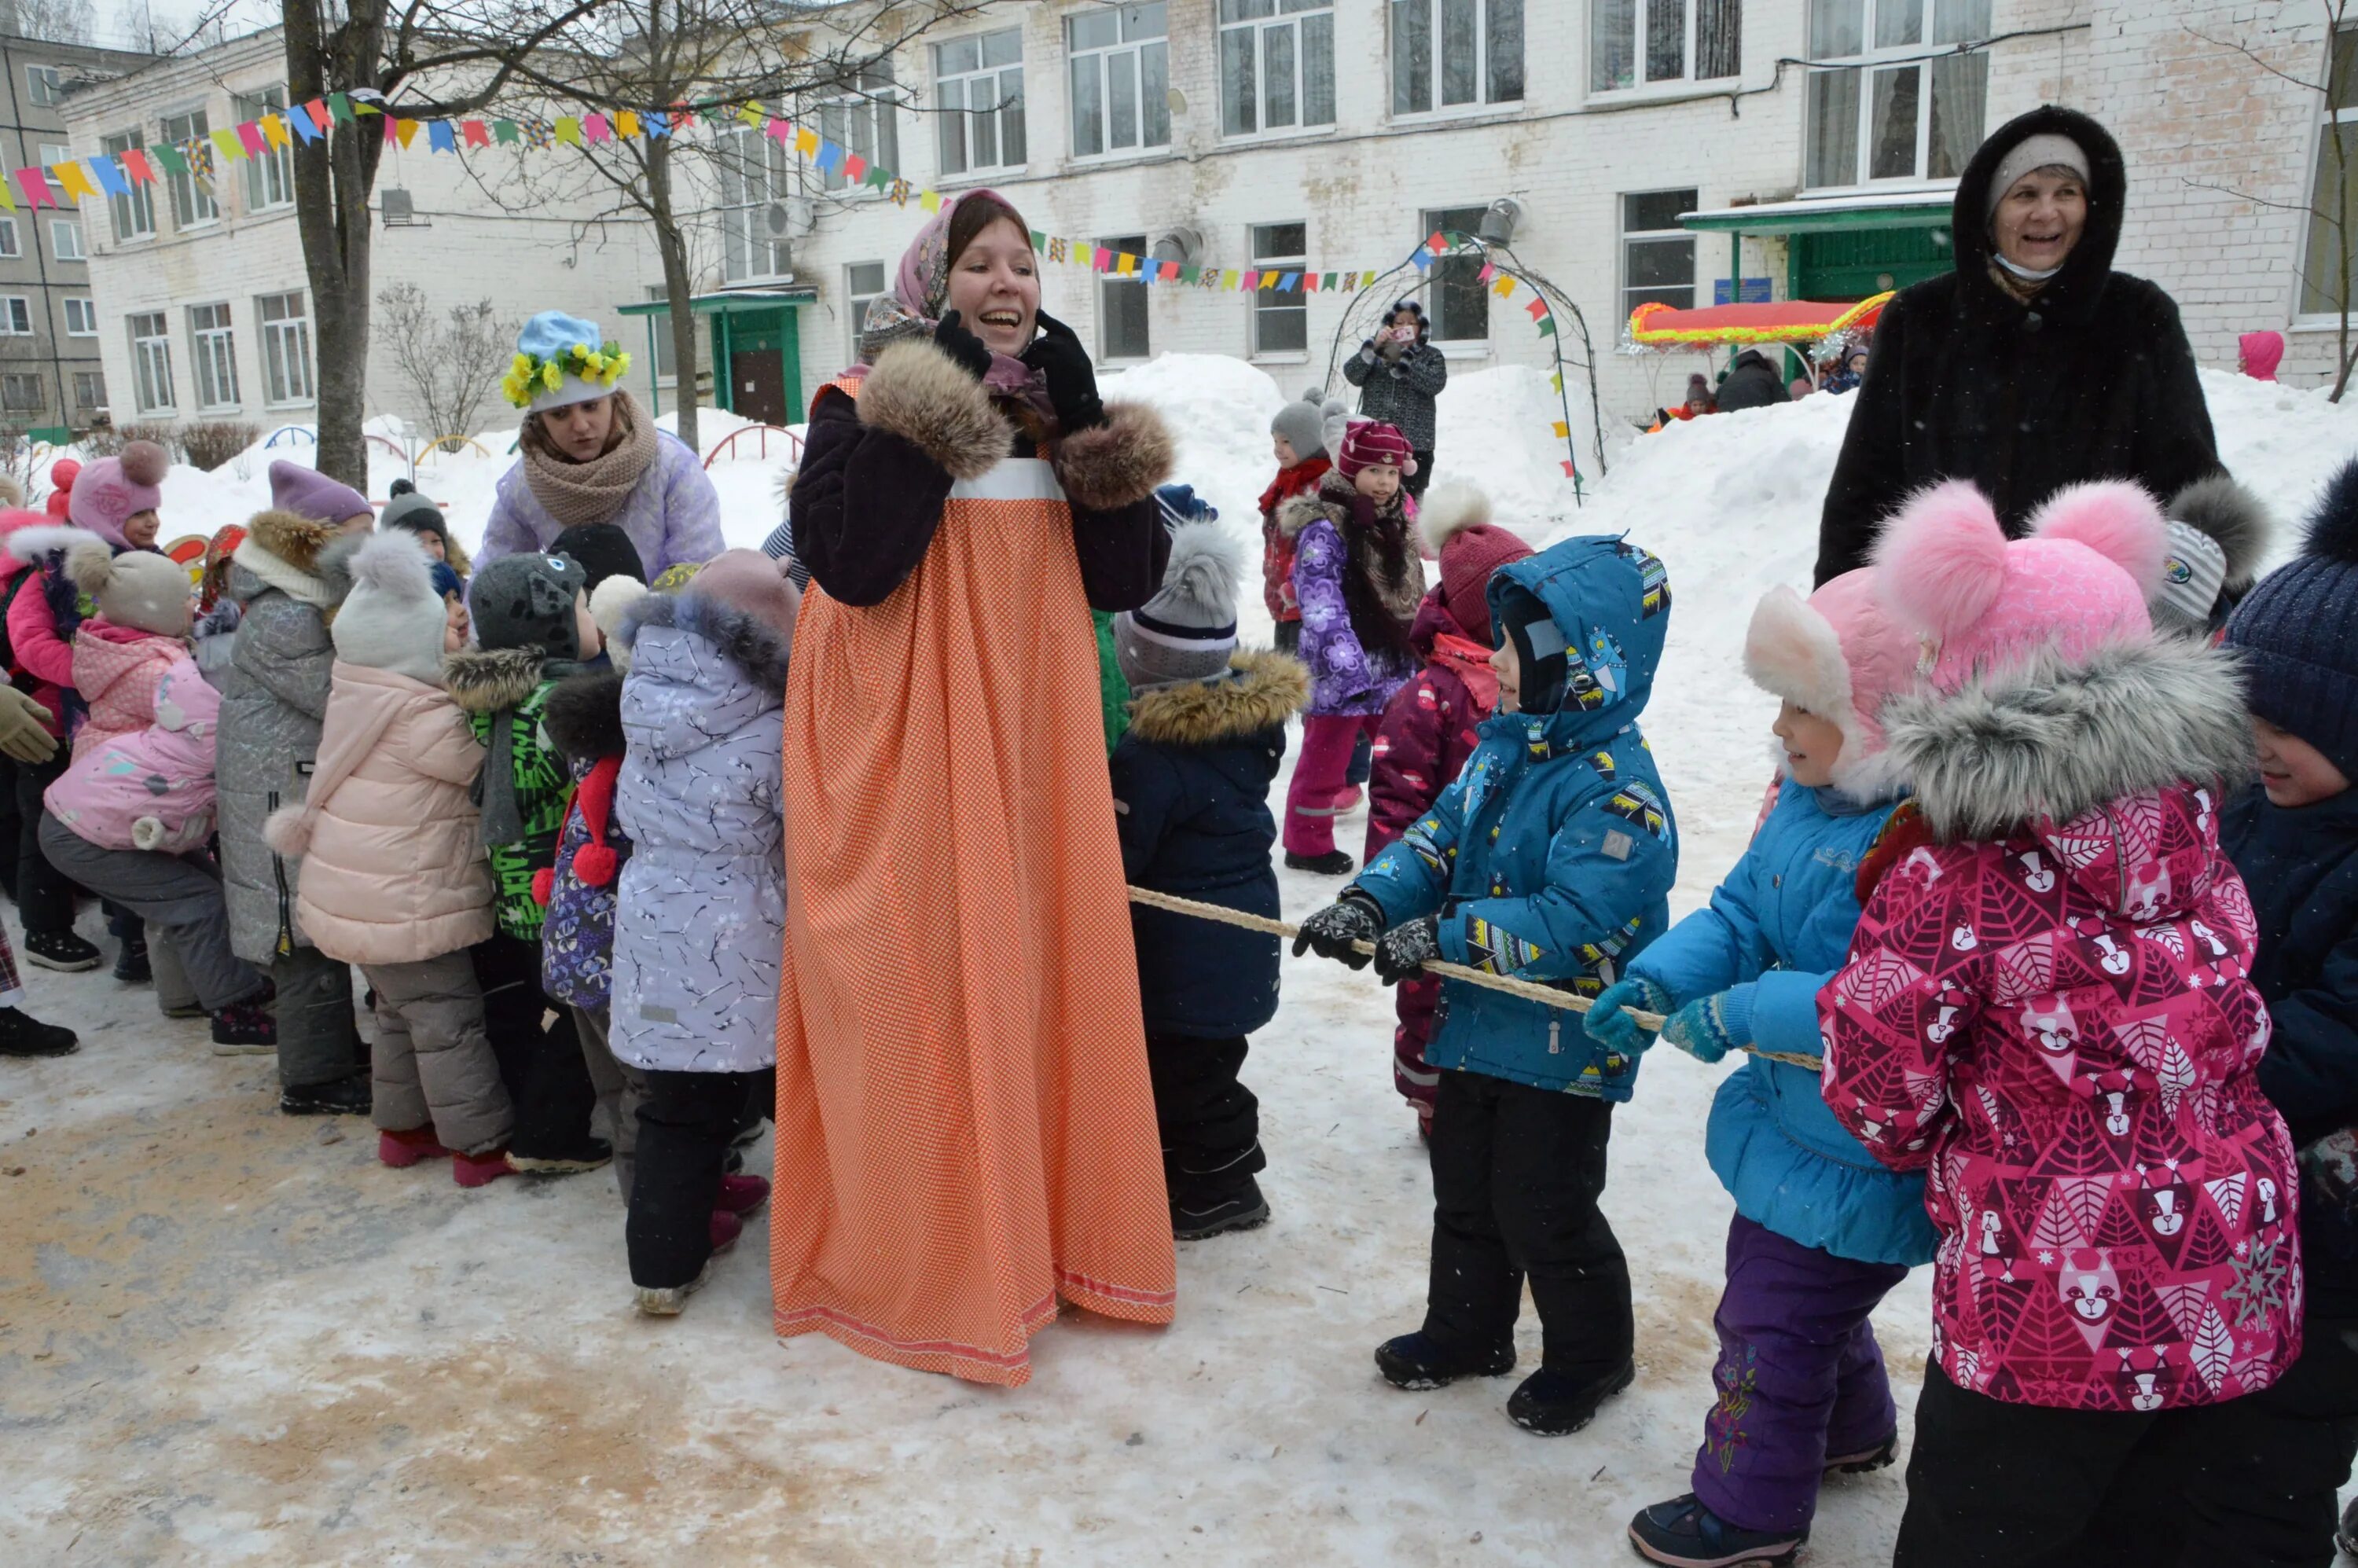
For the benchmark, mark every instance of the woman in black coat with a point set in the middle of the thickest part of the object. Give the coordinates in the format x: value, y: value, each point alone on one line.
x: 2031, y: 366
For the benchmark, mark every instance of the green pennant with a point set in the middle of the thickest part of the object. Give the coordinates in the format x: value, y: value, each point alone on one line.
x: 169, y: 157
x: 1039, y: 241
x: 880, y: 177
x: 1326, y: 281
x: 1190, y: 274
x: 1547, y: 326
x: 505, y: 131
x: 339, y: 107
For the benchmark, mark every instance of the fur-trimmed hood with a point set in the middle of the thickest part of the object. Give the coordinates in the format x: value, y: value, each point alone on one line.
x: 1260, y: 692
x: 1331, y: 500
x: 751, y: 644
x: 486, y: 680
x: 584, y: 716
x: 307, y: 561
x: 2052, y: 738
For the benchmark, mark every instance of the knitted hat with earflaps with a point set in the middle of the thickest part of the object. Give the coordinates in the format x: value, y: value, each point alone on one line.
x: 2297, y: 632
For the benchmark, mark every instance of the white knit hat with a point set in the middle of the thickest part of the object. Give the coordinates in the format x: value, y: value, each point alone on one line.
x: 392, y: 619
x: 2048, y: 149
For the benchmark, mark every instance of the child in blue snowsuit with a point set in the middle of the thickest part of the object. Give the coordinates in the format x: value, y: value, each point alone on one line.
x: 1550, y: 859
x: 1821, y: 1231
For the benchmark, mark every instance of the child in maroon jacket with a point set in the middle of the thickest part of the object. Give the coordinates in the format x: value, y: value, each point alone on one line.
x: 1428, y: 727
x: 1298, y: 439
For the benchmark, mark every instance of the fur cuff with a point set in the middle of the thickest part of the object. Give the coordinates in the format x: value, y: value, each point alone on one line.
x: 33, y: 544
x: 1119, y: 462
x: 927, y: 398
x: 288, y: 831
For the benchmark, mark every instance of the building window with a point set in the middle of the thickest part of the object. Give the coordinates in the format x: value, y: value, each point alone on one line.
x: 65, y: 239
x: 1281, y: 319
x: 658, y: 293
x: 978, y: 100
x: 1658, y: 257
x: 270, y: 174
x: 285, y: 346
x: 81, y: 318
x: 1121, y: 79
x: 44, y: 86
x: 215, y: 356
x: 90, y: 389
x: 192, y: 188
x: 1646, y: 43
x: 2329, y: 280
x: 1449, y: 53
x: 8, y: 245
x: 860, y: 119
x: 55, y: 151
x: 1277, y: 65
x: 754, y: 223
x: 16, y: 315
x: 862, y: 282
x: 22, y: 394
x: 1121, y: 304
x: 1460, y: 305
x: 134, y: 216
x: 1910, y: 119
x: 151, y: 361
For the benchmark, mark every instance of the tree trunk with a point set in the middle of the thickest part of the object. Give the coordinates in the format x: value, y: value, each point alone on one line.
x: 332, y: 215
x: 679, y: 289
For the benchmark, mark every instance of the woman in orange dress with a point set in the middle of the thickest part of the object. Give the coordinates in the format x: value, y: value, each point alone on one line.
x: 966, y: 1131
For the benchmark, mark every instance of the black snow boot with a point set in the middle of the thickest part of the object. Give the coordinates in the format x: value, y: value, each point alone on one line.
x: 1195, y: 1217
x: 1419, y: 1361
x: 1333, y: 863
x: 1686, y: 1534
x: 337, y: 1097
x: 1553, y: 1404
x: 22, y: 1036
x: 587, y: 1153
x: 1876, y: 1457
x: 62, y: 951
x: 131, y: 965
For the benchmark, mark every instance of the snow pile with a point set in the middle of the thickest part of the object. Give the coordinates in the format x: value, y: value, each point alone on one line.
x: 1497, y: 429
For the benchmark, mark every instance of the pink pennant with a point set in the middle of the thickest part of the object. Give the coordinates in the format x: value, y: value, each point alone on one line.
x: 597, y: 128
x: 1250, y: 282
x: 477, y: 134
x: 36, y: 187
x: 136, y: 168
x: 1488, y: 271
x: 250, y: 137
x: 779, y: 130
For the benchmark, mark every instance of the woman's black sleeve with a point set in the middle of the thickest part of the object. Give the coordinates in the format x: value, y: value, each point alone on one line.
x: 865, y: 504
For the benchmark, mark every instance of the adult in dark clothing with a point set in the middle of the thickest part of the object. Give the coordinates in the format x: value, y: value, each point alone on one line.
x: 1398, y: 374
x: 1752, y: 383
x: 2031, y: 366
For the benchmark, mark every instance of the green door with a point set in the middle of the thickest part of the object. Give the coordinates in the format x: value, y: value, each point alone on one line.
x: 757, y: 363
x: 1840, y: 266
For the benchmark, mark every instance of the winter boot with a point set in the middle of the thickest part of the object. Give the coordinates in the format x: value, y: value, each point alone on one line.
x: 1193, y: 1218
x: 1553, y: 1404
x: 1876, y: 1456
x: 131, y: 965
x: 726, y: 1229
x: 245, y: 1029
x: 744, y: 1195
x: 22, y: 1036
x: 1686, y: 1534
x: 1419, y: 1361
x: 337, y: 1097
x: 62, y: 951
x: 665, y: 1301
x: 1333, y: 863
x: 588, y: 1155
x: 409, y: 1147
x: 480, y: 1170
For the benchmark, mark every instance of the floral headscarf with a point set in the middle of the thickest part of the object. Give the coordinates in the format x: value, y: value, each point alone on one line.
x: 913, y: 308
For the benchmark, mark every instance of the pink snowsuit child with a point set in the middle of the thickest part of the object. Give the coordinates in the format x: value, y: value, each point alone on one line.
x: 2046, y: 1010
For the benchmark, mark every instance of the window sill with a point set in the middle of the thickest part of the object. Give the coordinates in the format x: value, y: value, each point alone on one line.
x: 1276, y: 137
x: 1290, y: 358
x: 980, y: 178
x: 226, y: 408
x: 1685, y: 89
x: 82, y: 334
x: 1455, y: 114
x: 1120, y: 159
x: 299, y: 403
x: 1898, y: 184
x: 2310, y: 326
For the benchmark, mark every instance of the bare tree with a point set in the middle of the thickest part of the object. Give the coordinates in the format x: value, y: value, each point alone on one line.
x: 450, y: 361
x: 51, y: 21
x: 2331, y: 207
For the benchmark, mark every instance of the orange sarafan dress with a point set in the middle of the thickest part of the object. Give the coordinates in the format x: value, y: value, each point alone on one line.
x: 965, y: 1130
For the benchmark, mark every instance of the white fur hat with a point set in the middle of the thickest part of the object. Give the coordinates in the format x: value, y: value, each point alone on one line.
x: 139, y: 589
x: 392, y: 619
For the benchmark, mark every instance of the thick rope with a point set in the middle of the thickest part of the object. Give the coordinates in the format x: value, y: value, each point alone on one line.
x: 1546, y: 996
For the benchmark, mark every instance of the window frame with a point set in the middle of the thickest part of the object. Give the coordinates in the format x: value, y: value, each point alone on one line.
x: 753, y: 152
x: 40, y: 403
x: 962, y: 121
x: 271, y: 99
x: 1434, y: 219
x: 1106, y: 58
x: 1629, y: 236
x: 80, y: 241
x: 275, y: 338
x: 1283, y: 15
x: 1134, y: 243
x: 855, y: 301
x: 16, y: 316
x: 1863, y: 68
x: 150, y: 352
x: 95, y: 382
x: 89, y: 314
x: 834, y: 108
x: 141, y: 203
x: 1640, y: 86
x: 1482, y: 102
x: 11, y: 249
x: 195, y: 147
x: 1271, y: 302
x: 45, y: 85
x: 212, y: 350
x: 2329, y: 116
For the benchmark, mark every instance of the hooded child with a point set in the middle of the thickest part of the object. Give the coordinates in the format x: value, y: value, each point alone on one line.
x: 1433, y: 724
x: 393, y: 874
x: 1359, y: 581
x: 1550, y: 858
x: 1191, y: 782
x: 702, y: 909
x: 2047, y: 1008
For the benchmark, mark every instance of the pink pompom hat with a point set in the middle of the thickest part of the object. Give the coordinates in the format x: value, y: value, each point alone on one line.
x: 108, y: 493
x: 1837, y: 654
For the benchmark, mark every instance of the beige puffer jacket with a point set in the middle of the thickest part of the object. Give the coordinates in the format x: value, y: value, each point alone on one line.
x: 394, y: 870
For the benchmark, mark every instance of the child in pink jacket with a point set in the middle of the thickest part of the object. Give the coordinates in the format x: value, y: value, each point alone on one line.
x: 393, y: 875
x: 130, y: 817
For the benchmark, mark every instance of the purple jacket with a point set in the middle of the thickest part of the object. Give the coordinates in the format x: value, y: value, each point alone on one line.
x: 673, y: 517
x: 1346, y: 679
x: 584, y: 721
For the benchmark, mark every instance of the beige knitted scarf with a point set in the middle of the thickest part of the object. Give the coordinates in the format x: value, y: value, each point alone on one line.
x: 593, y: 492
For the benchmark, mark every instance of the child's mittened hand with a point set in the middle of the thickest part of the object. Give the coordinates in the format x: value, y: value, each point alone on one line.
x: 1331, y: 932
x: 1616, y: 1029
x: 1405, y: 949
x: 1702, y: 1030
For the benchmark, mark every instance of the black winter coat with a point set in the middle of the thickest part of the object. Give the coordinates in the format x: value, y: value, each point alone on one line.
x: 1752, y: 383
x: 2301, y: 869
x: 2093, y: 379
x: 1190, y: 796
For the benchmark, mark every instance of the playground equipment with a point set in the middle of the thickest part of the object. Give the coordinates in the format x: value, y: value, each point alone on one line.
x: 794, y: 443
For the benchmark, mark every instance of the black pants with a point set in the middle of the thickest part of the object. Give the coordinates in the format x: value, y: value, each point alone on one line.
x: 685, y: 1124
x: 1288, y: 637
x: 1515, y: 1175
x: 542, y: 1066
x: 1209, y: 1121
x: 44, y: 895
x: 1414, y: 483
x: 2247, y: 1482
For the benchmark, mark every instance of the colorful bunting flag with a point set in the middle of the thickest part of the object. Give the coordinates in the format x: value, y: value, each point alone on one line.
x: 73, y: 180
x: 1562, y: 430
x: 110, y: 176
x: 170, y: 158
x: 595, y: 128
x: 1438, y: 243
x: 250, y: 137
x: 506, y: 132
x: 659, y: 125
x: 779, y: 130
x: 232, y: 147
x: 135, y: 165
x: 1489, y: 270
x: 854, y: 167
x: 626, y: 125
x: 1504, y: 288
x: 568, y: 131
x: 1423, y: 259
x: 8, y: 197
x: 474, y: 133
x: 307, y: 130
x: 831, y: 156
x: 750, y: 113
x: 317, y: 112
x: 1569, y: 472
x: 1310, y: 281
x: 930, y: 200
x: 806, y: 141
x: 340, y: 106
x: 440, y: 137
x: 1537, y: 308
x: 36, y: 187
x: 1126, y: 265
x: 274, y: 131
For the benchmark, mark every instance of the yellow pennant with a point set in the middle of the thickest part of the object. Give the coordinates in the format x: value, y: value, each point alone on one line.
x: 931, y: 200
x: 73, y: 179
x: 1562, y: 431
x: 1504, y: 288
x: 274, y: 131
x: 626, y: 123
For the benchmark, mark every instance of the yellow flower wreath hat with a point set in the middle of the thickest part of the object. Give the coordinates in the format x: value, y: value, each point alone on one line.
x: 560, y: 361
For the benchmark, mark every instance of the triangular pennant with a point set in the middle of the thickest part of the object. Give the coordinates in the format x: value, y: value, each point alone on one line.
x: 1489, y: 270
x: 36, y: 187
x: 1423, y: 259
x: 367, y: 100
x: 1038, y: 243
x: 73, y: 180
x: 250, y: 137
x: 475, y: 133
x: 854, y: 167
x: 307, y: 130
x: 340, y: 106
x: 8, y: 197
x: 506, y: 132
x: 1438, y: 243
x: 568, y: 131
x: 135, y: 165
x: 440, y: 137
x: 109, y: 178
x: 596, y: 128
x: 274, y: 130
x: 170, y: 157
x: 227, y: 143
x: 392, y: 130
x: 626, y: 125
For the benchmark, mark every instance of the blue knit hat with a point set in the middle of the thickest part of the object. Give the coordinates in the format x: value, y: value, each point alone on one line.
x: 1180, y: 503
x: 2297, y: 632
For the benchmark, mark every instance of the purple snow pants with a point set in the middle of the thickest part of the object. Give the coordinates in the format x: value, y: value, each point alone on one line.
x: 1799, y: 1377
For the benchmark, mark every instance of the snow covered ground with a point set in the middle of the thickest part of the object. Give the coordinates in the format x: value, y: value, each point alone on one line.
x: 229, y: 1337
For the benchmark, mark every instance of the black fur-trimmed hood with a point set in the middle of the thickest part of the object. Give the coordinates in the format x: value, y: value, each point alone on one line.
x: 2054, y: 738
x: 751, y: 644
x: 584, y: 716
x: 1262, y: 692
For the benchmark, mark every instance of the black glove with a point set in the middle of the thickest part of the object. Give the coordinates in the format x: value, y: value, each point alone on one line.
x: 1057, y: 355
x: 1401, y: 955
x: 950, y: 336
x: 1331, y: 932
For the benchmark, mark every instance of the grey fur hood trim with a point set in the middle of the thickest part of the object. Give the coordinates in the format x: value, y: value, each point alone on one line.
x: 2052, y: 739
x: 1332, y: 500
x: 927, y: 398
x: 751, y: 644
